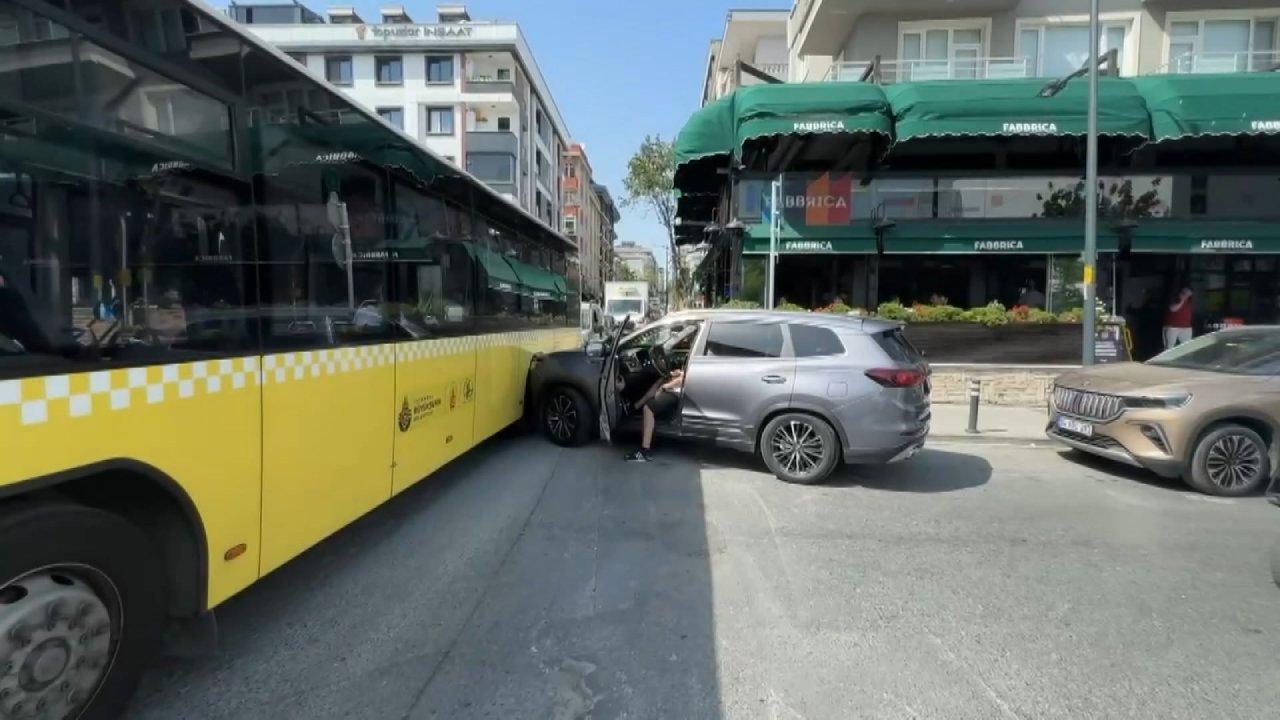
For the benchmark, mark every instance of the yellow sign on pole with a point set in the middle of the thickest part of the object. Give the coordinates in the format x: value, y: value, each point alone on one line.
x: 1088, y: 274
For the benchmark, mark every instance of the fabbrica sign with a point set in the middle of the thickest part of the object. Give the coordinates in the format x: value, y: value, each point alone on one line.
x: 1225, y: 245
x: 996, y: 245
x: 412, y: 32
x: 818, y: 201
x: 1030, y: 128
x: 804, y: 246
x: 1265, y: 125
x: 818, y: 126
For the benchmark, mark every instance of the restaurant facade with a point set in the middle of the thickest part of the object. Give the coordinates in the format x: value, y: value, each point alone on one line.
x: 967, y: 192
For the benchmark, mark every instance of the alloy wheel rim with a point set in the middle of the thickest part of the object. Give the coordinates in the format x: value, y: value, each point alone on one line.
x: 1234, y: 461
x: 562, y: 416
x: 798, y: 448
x: 57, y: 641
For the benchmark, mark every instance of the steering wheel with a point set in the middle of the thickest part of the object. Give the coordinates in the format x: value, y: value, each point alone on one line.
x: 661, y: 360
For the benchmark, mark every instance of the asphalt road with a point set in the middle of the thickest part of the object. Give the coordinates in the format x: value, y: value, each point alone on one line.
x: 974, y: 581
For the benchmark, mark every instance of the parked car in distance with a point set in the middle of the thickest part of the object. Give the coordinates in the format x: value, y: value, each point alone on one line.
x: 593, y: 323
x: 1207, y: 411
x: 803, y: 391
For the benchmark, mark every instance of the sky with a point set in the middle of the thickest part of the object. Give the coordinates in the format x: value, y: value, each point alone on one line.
x: 617, y: 69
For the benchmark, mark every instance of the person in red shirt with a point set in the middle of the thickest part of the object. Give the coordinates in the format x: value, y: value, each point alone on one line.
x: 1177, y: 320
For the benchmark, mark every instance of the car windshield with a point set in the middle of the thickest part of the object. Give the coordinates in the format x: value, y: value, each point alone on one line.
x: 624, y: 306
x: 1246, y: 352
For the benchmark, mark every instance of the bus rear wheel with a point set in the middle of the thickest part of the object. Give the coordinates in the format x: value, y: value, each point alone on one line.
x: 81, y: 611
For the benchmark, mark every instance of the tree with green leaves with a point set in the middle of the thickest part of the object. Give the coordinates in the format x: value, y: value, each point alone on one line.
x: 650, y: 185
x: 623, y: 271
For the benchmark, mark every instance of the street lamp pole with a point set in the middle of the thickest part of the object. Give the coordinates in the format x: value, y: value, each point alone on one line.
x: 775, y: 227
x: 1091, y: 196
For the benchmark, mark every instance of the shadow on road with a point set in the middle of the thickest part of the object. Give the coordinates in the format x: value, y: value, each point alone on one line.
x: 1121, y: 472
x: 520, y: 581
x: 930, y: 471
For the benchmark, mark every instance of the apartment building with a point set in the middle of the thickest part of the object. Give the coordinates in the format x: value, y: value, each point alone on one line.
x: 927, y: 40
x: 589, y: 219
x: 757, y: 38
x: 470, y: 90
x: 638, y: 259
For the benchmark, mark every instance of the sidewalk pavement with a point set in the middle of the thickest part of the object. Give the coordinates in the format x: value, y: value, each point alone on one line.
x: 996, y: 423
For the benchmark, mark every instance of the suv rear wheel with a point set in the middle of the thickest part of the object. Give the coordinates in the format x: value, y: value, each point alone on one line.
x: 1230, y: 460
x: 799, y: 448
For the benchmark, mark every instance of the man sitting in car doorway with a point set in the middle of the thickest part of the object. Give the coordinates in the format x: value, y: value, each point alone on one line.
x: 659, y: 402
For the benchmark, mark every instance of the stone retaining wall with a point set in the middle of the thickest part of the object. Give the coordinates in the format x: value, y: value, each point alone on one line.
x: 1026, y: 386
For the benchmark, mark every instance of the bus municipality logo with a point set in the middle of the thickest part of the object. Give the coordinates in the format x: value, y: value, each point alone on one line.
x: 1031, y: 128
x: 1218, y: 245
x: 997, y: 245
x: 1265, y: 125
x: 818, y: 126
x: 405, y: 419
x: 416, y: 410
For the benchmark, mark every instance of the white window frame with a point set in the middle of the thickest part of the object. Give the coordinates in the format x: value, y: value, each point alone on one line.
x: 921, y: 27
x: 1201, y: 16
x: 1129, y: 65
x: 427, y: 109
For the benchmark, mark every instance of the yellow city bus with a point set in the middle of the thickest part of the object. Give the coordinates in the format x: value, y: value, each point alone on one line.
x: 236, y: 313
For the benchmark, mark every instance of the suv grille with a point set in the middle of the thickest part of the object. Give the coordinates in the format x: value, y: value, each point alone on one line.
x: 1089, y: 405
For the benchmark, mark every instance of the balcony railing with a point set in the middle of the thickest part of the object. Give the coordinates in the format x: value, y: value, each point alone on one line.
x: 888, y: 72
x: 1224, y: 62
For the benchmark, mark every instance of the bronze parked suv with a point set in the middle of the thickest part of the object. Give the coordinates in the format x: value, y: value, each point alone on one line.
x: 1207, y: 411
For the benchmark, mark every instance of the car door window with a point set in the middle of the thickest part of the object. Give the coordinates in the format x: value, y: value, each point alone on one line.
x: 744, y: 340
x: 813, y: 341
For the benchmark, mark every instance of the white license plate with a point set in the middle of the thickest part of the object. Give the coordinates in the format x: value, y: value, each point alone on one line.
x: 1079, y: 427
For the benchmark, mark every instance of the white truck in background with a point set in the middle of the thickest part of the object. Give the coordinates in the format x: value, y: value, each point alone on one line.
x: 627, y: 297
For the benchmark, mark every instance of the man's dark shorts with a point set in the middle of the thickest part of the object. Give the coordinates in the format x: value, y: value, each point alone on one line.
x: 663, y: 404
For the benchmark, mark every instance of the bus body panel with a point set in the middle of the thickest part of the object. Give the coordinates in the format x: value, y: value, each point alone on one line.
x: 198, y: 423
x: 326, y: 443
x: 434, y: 411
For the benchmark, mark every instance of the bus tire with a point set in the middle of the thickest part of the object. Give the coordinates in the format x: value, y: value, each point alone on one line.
x: 82, y: 610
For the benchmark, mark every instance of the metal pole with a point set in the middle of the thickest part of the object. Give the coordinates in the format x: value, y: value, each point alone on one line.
x: 775, y: 225
x: 1091, y: 195
x: 975, y: 396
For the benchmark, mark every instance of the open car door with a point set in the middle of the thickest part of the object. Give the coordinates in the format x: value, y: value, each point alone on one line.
x: 608, y: 388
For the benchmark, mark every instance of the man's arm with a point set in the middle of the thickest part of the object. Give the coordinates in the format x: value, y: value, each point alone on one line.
x: 675, y: 381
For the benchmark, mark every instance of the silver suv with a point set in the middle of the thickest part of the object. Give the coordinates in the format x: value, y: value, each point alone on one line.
x: 802, y: 390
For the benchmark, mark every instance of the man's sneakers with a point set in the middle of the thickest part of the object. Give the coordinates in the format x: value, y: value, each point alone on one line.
x: 640, y: 456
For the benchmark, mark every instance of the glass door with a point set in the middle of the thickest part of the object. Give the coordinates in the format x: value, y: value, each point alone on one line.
x: 940, y: 54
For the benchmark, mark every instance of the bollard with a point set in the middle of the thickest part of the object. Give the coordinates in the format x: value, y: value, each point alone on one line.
x: 975, y: 394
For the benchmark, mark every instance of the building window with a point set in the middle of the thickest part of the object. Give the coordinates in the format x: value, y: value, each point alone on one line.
x: 1209, y: 44
x: 492, y: 167
x: 440, y: 120
x: 1058, y: 49
x: 390, y: 69
x: 504, y: 124
x: 393, y: 115
x: 941, y: 51
x: 504, y: 73
x: 337, y: 69
x: 440, y: 69
x: 570, y: 225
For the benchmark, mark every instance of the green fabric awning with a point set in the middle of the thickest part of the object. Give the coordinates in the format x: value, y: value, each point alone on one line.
x: 282, y: 146
x: 709, y: 132
x: 811, y: 109
x: 502, y: 276
x: 1013, y: 108
x: 538, y: 282
x: 855, y: 239
x: 1194, y: 106
x: 1206, y: 236
x: 995, y: 237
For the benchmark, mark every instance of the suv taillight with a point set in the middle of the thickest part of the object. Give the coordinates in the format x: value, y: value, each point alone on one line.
x: 897, y: 377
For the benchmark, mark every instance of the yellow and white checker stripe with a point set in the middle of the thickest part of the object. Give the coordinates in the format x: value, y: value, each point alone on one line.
x: 295, y: 366
x: 40, y: 400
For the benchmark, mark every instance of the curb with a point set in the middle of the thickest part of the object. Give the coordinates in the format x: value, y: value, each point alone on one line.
x: 981, y: 439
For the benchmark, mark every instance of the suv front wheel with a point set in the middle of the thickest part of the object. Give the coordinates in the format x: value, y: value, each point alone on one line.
x: 799, y: 448
x: 1230, y: 460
